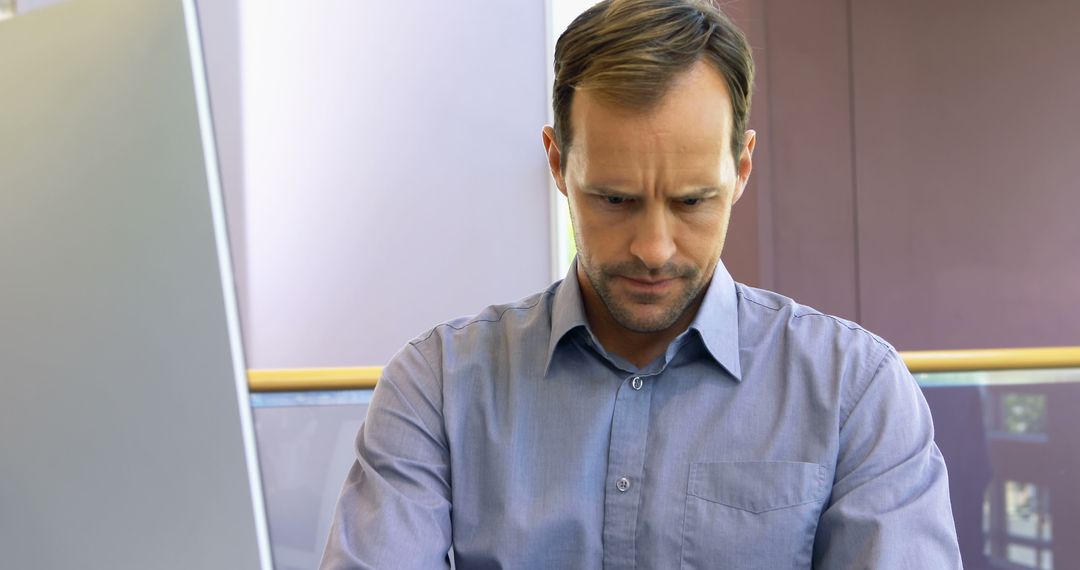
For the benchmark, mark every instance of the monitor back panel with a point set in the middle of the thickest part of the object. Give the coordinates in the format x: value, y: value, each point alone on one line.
x: 125, y: 429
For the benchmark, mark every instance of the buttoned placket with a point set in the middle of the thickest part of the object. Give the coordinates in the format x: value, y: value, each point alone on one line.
x: 626, y: 465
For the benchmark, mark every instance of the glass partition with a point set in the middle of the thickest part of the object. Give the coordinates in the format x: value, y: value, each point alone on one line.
x: 305, y: 442
x: 1008, y: 440
x: 1007, y: 437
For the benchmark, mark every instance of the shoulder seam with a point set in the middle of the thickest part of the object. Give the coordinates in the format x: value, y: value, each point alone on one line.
x: 474, y: 321
x: 866, y: 388
x: 389, y: 381
x: 758, y: 303
x: 851, y: 327
x: 815, y: 313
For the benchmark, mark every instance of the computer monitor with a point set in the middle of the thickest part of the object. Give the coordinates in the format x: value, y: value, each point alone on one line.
x: 125, y: 428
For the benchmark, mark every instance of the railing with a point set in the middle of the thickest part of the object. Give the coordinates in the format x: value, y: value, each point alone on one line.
x: 364, y: 378
x: 1006, y: 422
x: 313, y: 379
x: 992, y: 359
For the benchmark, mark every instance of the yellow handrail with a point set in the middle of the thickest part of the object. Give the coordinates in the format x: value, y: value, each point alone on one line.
x: 992, y: 359
x: 314, y: 379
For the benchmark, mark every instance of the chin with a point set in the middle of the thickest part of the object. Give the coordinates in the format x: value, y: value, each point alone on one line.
x: 649, y: 322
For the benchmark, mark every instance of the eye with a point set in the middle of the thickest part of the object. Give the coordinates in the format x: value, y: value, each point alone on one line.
x: 691, y: 201
x: 615, y: 200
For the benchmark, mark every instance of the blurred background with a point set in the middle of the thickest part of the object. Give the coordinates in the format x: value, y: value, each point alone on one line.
x: 917, y: 171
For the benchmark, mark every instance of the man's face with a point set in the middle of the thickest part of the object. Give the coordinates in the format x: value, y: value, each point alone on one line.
x: 650, y: 195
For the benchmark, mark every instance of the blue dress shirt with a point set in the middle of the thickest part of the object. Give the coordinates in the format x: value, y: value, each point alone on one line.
x: 769, y: 435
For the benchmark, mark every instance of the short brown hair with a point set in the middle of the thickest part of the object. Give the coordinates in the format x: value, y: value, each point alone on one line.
x: 629, y: 52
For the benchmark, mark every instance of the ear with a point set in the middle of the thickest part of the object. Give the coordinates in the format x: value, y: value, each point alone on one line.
x: 745, y: 164
x: 554, y: 158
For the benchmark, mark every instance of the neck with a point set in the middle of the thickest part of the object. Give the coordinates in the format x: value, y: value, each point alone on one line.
x: 640, y: 348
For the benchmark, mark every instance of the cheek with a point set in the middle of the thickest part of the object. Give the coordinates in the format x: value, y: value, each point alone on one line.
x: 703, y: 237
x: 592, y: 229
x: 593, y: 238
x: 584, y: 233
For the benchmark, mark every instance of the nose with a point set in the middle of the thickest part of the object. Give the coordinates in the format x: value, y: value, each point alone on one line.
x: 653, y: 243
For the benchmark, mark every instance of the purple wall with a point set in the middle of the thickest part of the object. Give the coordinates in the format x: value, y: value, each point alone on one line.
x: 917, y: 167
x: 968, y: 133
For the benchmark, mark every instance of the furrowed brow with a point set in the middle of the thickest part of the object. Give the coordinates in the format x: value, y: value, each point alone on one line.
x: 606, y: 191
x: 707, y: 192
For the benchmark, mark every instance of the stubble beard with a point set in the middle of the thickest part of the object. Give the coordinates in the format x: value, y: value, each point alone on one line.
x: 621, y: 307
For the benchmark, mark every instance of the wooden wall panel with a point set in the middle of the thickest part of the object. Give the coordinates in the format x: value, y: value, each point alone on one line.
x: 809, y: 154
x: 747, y: 251
x: 967, y: 136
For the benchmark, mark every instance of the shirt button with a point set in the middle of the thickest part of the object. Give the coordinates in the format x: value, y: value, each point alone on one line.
x: 636, y: 383
x: 623, y: 484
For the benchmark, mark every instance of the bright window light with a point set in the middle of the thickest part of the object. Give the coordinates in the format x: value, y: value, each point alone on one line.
x: 560, y: 14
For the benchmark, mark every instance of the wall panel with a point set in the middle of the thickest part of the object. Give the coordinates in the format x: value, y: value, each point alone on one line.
x: 967, y: 134
x: 394, y: 171
x: 812, y: 196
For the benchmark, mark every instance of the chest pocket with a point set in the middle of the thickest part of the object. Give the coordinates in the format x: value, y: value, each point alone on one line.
x: 752, y: 514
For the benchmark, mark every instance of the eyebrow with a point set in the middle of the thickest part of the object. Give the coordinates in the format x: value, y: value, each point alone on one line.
x: 705, y: 192
x: 702, y: 192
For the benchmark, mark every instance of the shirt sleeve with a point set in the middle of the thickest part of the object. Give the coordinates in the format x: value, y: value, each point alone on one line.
x: 394, y: 510
x: 890, y: 499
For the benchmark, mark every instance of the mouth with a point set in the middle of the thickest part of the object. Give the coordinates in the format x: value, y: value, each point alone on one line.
x: 653, y: 286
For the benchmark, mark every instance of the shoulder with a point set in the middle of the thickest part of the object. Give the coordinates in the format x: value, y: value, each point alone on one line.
x: 770, y: 312
x: 488, y: 333
x: 806, y: 340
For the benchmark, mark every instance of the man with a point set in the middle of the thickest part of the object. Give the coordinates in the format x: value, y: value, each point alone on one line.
x: 647, y: 411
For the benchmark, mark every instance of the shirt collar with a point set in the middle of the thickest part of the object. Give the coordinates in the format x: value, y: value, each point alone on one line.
x: 717, y: 319
x: 567, y: 311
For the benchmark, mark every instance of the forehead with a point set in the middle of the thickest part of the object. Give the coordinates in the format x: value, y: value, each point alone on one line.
x: 690, y: 125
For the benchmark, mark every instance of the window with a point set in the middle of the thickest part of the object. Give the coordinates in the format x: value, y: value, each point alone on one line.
x: 560, y: 14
